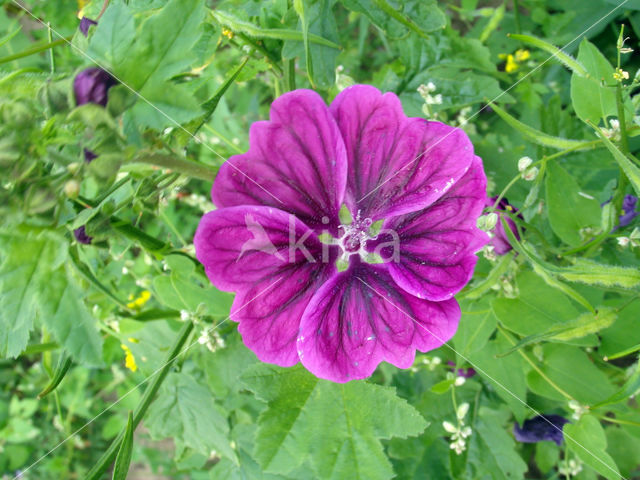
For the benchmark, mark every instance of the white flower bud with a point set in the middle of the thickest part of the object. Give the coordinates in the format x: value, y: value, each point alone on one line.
x: 462, y: 409
x: 459, y: 381
x: 623, y: 241
x: 449, y: 427
x: 530, y: 174
x: 524, y: 163
x: 72, y: 189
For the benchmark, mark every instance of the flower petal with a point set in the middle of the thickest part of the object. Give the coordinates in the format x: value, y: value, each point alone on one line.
x: 397, y: 164
x: 248, y: 250
x: 435, y: 246
x: 296, y: 162
x: 360, y: 317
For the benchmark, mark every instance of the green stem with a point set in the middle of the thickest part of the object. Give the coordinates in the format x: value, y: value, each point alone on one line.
x: 290, y: 74
x: 516, y: 14
x: 35, y: 49
x: 534, y: 366
x: 108, y: 457
x: 618, y: 421
x: 186, y: 167
x: 40, y: 348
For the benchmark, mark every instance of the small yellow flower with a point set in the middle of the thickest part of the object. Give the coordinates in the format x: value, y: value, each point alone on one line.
x: 227, y: 33
x: 521, y: 55
x: 511, y: 65
x: 129, y: 359
x: 139, y: 302
x: 620, y: 75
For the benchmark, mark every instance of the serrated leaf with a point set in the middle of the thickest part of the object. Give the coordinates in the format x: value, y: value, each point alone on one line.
x: 569, y: 211
x: 587, y: 440
x: 147, y: 57
x: 187, y: 411
x: 336, y: 427
x: 34, y: 283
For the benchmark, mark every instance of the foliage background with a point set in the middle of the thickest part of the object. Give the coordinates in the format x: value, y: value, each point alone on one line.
x: 569, y: 292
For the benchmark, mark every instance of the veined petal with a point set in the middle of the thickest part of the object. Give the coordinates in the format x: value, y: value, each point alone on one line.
x: 360, y: 317
x: 430, y: 253
x: 397, y: 164
x: 274, y: 262
x: 296, y: 162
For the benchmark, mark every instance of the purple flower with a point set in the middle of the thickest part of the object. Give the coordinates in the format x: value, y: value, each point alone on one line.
x: 85, y: 23
x: 500, y: 240
x: 81, y: 235
x: 420, y: 180
x: 92, y: 85
x: 542, y: 427
x: 462, y: 372
x: 89, y: 156
x: 629, y: 208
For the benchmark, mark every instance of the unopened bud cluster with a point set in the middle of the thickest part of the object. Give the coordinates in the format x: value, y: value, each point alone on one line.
x: 459, y: 433
x: 527, y: 172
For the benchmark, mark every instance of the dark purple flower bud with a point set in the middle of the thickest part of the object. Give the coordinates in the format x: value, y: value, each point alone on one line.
x: 629, y: 208
x: 85, y: 23
x: 500, y: 240
x: 540, y: 428
x: 89, y: 156
x: 92, y: 85
x: 81, y: 235
x: 462, y: 372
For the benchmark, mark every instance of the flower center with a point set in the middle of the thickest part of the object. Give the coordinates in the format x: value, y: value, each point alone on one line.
x: 354, y: 237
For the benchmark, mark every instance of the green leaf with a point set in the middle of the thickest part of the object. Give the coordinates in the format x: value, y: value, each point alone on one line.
x: 493, y: 448
x: 557, y: 53
x: 187, y: 411
x: 587, y: 440
x: 64, y: 363
x: 418, y: 16
x: 506, y: 375
x: 592, y: 273
x: 34, y: 283
x: 631, y: 387
x: 572, y: 370
x: 316, y: 17
x: 477, y: 323
x: 25, y: 262
x: 146, y: 58
x: 336, y: 427
x: 123, y: 459
x: 592, y: 99
x: 542, y: 138
x: 569, y: 211
x: 182, y: 289
x: 536, y: 309
x: 629, y: 168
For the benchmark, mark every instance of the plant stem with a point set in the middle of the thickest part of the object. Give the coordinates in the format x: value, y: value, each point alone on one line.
x: 534, y: 366
x: 35, y: 49
x: 186, y: 167
x: 290, y: 74
x: 516, y: 14
x: 108, y: 457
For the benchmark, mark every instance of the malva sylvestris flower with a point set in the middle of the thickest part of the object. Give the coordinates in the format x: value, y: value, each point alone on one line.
x: 92, y: 85
x: 420, y: 180
x: 499, y: 238
x: 541, y: 428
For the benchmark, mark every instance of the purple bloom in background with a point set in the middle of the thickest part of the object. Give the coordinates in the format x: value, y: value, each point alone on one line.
x: 462, y: 372
x: 81, y: 235
x: 500, y: 240
x: 542, y: 427
x: 92, y: 86
x: 85, y: 23
x: 629, y: 208
x: 89, y: 156
x: 420, y: 180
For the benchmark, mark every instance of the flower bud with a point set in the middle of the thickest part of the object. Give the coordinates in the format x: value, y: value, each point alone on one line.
x: 85, y: 23
x: 462, y: 409
x: 81, y: 236
x: 524, y: 163
x: 449, y: 427
x: 92, y: 85
x: 530, y: 174
x: 72, y: 189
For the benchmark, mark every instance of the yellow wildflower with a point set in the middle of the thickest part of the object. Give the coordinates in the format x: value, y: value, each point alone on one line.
x: 227, y: 33
x: 511, y: 65
x: 129, y: 359
x: 139, y: 302
x: 521, y: 55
